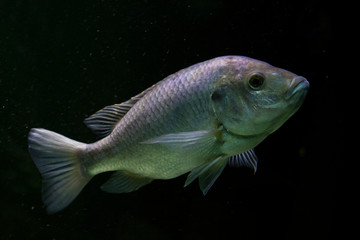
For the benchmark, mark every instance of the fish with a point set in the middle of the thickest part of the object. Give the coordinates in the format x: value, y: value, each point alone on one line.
x: 195, y: 121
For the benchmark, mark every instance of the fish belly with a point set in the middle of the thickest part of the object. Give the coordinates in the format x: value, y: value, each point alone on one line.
x: 156, y: 162
x: 162, y: 162
x: 130, y: 152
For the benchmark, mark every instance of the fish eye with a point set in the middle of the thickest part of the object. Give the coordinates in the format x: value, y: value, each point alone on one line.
x: 256, y: 81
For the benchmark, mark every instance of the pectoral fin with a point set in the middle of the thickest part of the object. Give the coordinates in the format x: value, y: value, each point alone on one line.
x: 184, y: 139
x: 123, y: 182
x: 207, y: 174
x: 188, y: 142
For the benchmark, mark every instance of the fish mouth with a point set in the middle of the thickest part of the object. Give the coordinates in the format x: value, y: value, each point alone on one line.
x: 298, y: 86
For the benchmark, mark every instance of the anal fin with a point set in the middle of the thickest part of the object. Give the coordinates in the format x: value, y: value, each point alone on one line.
x: 123, y: 182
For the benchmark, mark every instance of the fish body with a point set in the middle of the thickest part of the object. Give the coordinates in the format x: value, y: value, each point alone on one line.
x: 196, y: 120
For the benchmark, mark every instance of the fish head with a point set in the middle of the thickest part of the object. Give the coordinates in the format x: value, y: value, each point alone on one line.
x: 255, y: 98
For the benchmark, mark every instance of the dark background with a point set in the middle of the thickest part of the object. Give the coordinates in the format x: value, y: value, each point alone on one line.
x: 61, y: 61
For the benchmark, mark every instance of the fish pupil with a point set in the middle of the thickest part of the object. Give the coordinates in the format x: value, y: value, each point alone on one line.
x: 256, y: 81
x: 216, y: 96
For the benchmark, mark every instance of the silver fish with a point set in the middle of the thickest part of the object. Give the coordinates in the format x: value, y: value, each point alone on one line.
x: 196, y: 120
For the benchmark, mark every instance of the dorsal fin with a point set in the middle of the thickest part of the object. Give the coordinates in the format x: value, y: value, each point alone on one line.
x: 105, y: 120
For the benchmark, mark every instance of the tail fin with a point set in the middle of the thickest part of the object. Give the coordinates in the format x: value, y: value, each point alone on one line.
x: 56, y: 158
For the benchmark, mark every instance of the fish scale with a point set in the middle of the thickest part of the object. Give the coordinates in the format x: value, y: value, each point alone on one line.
x: 151, y: 108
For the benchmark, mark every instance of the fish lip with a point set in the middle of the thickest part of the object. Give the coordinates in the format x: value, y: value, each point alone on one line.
x: 297, y: 84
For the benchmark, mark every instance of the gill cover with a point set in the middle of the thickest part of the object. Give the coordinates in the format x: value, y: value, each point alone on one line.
x: 228, y: 105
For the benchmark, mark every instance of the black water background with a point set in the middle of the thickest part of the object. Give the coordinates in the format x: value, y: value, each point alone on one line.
x: 61, y: 61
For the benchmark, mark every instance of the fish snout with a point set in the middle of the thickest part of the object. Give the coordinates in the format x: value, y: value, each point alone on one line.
x: 297, y: 85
